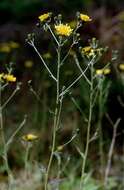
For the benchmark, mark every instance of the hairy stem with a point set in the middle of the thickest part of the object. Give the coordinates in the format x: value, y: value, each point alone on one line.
x: 5, y: 153
x: 56, y: 117
x: 88, y: 131
x: 111, y: 152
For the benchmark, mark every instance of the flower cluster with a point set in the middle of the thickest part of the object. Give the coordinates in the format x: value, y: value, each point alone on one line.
x: 6, y: 47
x: 60, y: 28
x: 90, y: 51
x: 100, y: 72
x: 7, y: 77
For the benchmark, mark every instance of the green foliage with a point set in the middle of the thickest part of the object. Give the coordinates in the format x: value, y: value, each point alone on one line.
x: 73, y: 183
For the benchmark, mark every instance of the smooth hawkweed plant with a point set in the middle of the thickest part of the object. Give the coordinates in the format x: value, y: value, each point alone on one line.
x: 62, y: 33
x: 5, y: 80
x: 91, y: 54
x: 102, y: 95
x: 28, y: 139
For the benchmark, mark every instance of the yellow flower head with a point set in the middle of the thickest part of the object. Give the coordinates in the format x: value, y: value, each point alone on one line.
x: 47, y: 55
x: 9, y: 78
x: 28, y: 63
x: 106, y: 71
x: 121, y: 66
x: 29, y: 137
x: 14, y: 45
x: 63, y: 29
x: 99, y: 72
x: 85, y: 18
x: 44, y: 17
x: 86, y: 49
x: 5, y: 48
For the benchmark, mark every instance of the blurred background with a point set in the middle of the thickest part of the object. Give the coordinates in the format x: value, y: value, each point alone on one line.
x: 18, y: 18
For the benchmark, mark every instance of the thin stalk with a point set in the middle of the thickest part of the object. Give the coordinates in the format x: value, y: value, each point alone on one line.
x: 100, y: 127
x: 5, y: 153
x: 67, y: 54
x: 52, y: 76
x: 56, y: 123
x: 11, y: 96
x: 27, y: 155
x: 79, y: 108
x: 88, y: 130
x: 79, y: 67
x: 75, y: 81
x: 59, y: 112
x: 111, y: 152
x: 53, y: 35
x: 16, y: 131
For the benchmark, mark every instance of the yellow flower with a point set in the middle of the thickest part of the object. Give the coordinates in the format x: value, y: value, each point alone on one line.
x: 85, y: 18
x: 86, y: 49
x: 44, y: 17
x: 5, y: 48
x: 29, y: 137
x: 99, y: 72
x: 63, y: 29
x: 121, y: 66
x: 47, y: 55
x: 9, y: 78
x: 106, y: 71
x: 28, y: 63
x: 13, y: 45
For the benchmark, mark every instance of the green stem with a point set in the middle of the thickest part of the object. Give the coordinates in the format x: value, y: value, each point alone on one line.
x: 5, y: 153
x: 88, y: 131
x: 100, y: 129
x: 27, y: 155
x: 56, y: 123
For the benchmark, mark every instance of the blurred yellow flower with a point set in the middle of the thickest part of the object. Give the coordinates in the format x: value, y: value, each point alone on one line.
x: 99, y: 72
x: 106, y: 71
x: 28, y: 63
x: 9, y: 78
x: 59, y: 148
x: 5, y: 48
x: 103, y: 71
x: 47, y: 55
x: 121, y: 66
x: 63, y: 29
x: 44, y: 17
x: 29, y: 137
x: 13, y: 45
x: 85, y: 18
